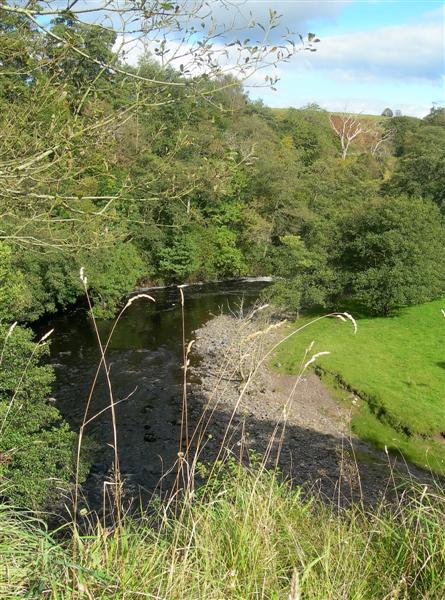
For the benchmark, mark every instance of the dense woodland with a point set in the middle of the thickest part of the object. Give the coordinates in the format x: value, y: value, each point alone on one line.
x: 200, y: 183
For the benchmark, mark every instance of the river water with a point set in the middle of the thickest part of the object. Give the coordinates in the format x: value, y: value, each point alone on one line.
x: 145, y: 360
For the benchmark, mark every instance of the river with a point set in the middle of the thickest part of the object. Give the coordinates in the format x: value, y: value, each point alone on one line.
x: 145, y: 359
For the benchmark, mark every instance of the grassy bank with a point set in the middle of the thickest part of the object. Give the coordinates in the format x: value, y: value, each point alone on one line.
x: 397, y: 365
x: 248, y: 537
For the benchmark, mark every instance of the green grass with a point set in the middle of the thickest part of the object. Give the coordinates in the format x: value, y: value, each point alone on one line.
x: 250, y: 537
x: 397, y: 364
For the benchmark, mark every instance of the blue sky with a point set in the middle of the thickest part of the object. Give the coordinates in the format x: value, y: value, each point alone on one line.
x: 372, y: 54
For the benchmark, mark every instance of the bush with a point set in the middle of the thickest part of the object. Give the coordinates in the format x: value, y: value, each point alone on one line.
x: 393, y: 253
x: 112, y: 272
x: 13, y: 300
x: 36, y: 444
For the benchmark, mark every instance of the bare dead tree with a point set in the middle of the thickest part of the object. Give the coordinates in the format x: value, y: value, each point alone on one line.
x: 348, y: 128
x: 381, y: 141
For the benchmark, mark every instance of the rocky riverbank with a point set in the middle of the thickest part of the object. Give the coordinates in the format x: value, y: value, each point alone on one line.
x: 294, y: 421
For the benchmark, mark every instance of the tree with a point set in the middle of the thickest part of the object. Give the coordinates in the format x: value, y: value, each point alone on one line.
x: 36, y: 444
x: 311, y: 133
x: 112, y: 273
x: 75, y: 62
x: 401, y: 127
x: 347, y: 128
x: 436, y: 116
x: 379, y: 142
x: 307, y: 277
x: 392, y: 253
x: 13, y: 296
x: 421, y: 169
x: 99, y: 148
x: 387, y: 112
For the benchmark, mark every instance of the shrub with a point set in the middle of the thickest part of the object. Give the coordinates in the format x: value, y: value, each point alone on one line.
x: 36, y: 444
x: 393, y: 253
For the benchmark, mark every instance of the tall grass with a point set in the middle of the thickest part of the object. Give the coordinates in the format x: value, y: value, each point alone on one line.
x: 252, y: 537
x: 245, y: 534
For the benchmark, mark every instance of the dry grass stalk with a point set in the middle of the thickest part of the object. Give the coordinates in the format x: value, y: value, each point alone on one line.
x: 294, y: 593
x: 117, y: 482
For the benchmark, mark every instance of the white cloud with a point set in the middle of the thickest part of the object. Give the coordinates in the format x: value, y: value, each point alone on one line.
x: 369, y: 65
x: 226, y: 15
x: 396, y: 52
x: 295, y: 13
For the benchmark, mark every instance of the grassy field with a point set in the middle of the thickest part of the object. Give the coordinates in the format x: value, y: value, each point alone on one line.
x: 397, y: 366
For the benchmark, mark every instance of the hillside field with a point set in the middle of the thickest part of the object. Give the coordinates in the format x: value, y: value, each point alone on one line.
x: 396, y: 366
x: 377, y: 120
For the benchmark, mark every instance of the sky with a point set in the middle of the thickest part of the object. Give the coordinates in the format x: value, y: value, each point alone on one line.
x: 372, y: 55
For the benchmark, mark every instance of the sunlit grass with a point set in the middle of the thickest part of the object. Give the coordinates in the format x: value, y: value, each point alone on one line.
x: 249, y: 536
x: 397, y: 365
